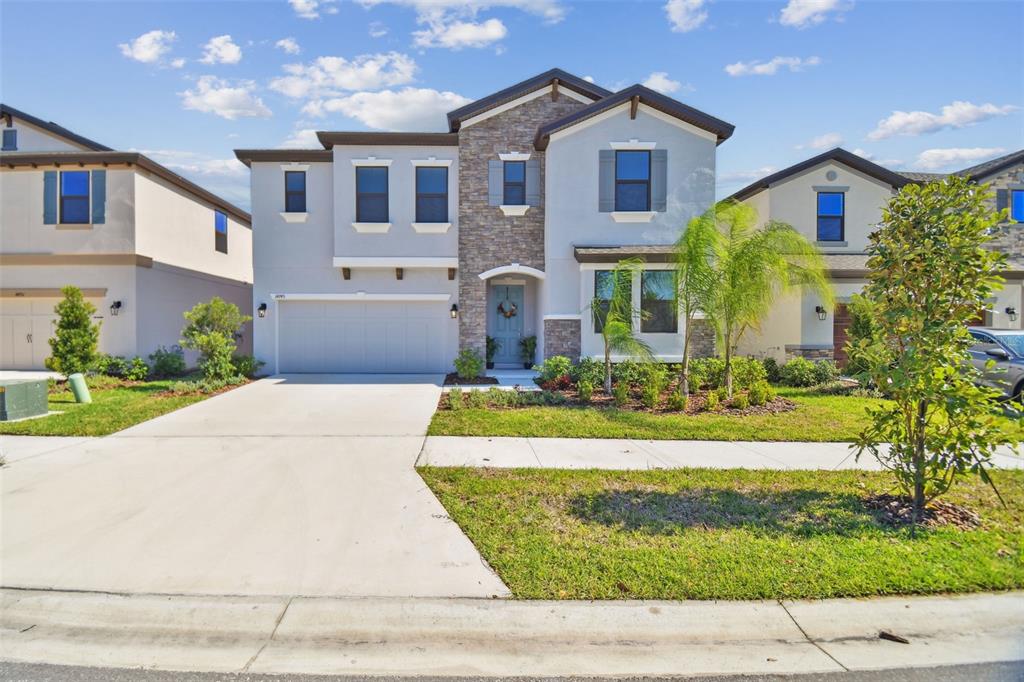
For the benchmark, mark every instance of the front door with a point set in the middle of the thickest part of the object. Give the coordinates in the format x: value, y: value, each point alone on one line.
x: 507, y: 323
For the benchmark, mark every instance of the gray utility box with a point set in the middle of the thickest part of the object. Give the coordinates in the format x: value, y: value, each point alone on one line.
x: 21, y: 398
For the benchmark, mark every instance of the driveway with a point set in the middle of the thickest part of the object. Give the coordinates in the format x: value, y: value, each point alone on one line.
x: 293, y: 485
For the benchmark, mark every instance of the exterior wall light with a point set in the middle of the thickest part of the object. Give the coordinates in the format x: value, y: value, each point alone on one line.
x: 822, y: 313
x: 1011, y: 312
x: 454, y: 310
x: 115, y: 307
x: 262, y: 310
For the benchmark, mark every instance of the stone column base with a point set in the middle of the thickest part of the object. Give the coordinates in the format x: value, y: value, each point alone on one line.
x: 562, y: 337
x: 810, y: 353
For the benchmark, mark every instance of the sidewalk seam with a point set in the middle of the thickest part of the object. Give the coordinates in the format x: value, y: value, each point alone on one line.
x: 277, y: 624
x: 808, y: 637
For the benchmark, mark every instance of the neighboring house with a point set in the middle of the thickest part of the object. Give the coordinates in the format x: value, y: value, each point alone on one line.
x: 143, y: 243
x: 835, y: 199
x: 391, y: 251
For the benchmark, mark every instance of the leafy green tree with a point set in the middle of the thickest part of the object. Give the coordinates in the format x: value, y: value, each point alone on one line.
x: 752, y: 266
x: 73, y: 346
x: 613, y: 313
x: 693, y: 256
x: 863, y: 332
x: 211, y: 328
x: 929, y: 274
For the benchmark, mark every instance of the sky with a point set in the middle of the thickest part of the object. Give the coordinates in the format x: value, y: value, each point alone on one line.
x: 928, y: 86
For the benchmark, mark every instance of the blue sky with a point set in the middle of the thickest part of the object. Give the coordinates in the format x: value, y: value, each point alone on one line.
x: 915, y: 85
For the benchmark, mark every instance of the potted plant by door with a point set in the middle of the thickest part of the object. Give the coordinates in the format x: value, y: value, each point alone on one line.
x: 527, y: 350
x: 492, y: 350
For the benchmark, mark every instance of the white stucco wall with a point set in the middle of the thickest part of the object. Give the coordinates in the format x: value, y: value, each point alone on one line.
x: 33, y: 139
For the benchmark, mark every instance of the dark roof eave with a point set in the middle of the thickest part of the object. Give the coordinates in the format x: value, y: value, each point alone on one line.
x: 342, y: 138
x: 248, y: 156
x: 53, y: 128
x: 993, y: 166
x: 14, y: 159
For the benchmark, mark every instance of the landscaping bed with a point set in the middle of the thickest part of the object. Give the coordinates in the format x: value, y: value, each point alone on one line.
x: 728, y: 534
x: 453, y: 379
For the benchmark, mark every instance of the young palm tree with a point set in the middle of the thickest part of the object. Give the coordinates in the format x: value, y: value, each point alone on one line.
x: 613, y: 313
x: 693, y: 256
x: 752, y: 267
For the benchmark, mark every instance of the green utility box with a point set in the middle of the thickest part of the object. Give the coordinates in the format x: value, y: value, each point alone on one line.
x: 21, y: 398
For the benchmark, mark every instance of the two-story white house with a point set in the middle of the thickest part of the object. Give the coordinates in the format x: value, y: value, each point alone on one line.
x: 388, y: 252
x: 143, y: 243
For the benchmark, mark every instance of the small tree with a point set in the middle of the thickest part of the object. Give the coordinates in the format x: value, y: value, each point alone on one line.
x: 73, y: 346
x: 613, y: 313
x: 694, y: 253
x: 929, y: 275
x: 211, y: 329
x: 863, y: 335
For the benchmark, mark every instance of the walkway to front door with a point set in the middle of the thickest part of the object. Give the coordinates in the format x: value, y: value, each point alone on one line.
x: 507, y: 323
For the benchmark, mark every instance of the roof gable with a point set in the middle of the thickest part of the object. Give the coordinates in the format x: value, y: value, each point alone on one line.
x: 509, y: 94
x: 7, y: 112
x: 983, y: 170
x: 639, y: 95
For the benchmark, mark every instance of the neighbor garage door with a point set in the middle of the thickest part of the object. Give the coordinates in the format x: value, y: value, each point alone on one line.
x: 347, y: 336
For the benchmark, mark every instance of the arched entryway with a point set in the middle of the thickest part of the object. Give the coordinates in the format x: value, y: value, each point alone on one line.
x: 513, y: 295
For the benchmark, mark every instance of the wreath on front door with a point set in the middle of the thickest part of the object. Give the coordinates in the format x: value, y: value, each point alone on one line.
x: 508, y: 309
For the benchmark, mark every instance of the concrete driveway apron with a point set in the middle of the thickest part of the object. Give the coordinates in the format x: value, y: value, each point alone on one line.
x: 293, y: 485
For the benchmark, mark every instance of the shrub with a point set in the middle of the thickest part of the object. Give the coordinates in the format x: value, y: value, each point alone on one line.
x: 739, y: 401
x: 677, y: 401
x: 771, y: 370
x: 723, y: 394
x: 246, y: 365
x: 137, y: 370
x: 825, y: 371
x: 561, y: 383
x: 73, y: 345
x: 210, y: 328
x: 528, y: 349
x: 620, y: 393
x: 216, y: 349
x: 167, y: 362
x: 711, y: 401
x: 711, y: 371
x: 552, y: 368
x: 110, y: 365
x: 588, y: 369
x: 629, y: 372
x: 747, y: 371
x: 759, y: 393
x: 203, y: 385
x: 654, y: 373
x: 476, y: 399
x: 468, y: 364
x: 650, y: 395
x: 455, y: 399
x: 496, y: 397
x: 585, y: 390
x: 862, y: 335
x: 798, y: 372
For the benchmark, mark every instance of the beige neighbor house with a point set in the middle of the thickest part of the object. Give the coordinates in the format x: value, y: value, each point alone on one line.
x: 835, y: 199
x: 143, y: 243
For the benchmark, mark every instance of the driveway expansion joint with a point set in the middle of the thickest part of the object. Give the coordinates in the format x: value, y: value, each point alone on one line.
x: 808, y: 637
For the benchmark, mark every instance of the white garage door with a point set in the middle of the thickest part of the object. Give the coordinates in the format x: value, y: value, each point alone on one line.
x: 346, y: 336
x: 26, y: 326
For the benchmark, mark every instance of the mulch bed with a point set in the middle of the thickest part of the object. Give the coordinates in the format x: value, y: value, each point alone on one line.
x: 454, y: 380
x: 899, y: 511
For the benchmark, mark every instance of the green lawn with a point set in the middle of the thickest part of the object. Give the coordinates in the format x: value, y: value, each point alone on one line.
x: 112, y: 409
x: 817, y: 418
x: 727, y: 534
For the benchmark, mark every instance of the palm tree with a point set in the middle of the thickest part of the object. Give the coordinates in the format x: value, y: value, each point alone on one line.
x: 613, y: 313
x: 752, y: 267
x: 693, y: 256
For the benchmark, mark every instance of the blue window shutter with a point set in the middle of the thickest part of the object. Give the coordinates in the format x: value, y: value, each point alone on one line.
x: 99, y: 197
x: 533, y: 182
x: 659, y: 180
x: 606, y: 181
x: 495, y: 182
x: 10, y: 140
x: 1002, y: 199
x: 49, y: 197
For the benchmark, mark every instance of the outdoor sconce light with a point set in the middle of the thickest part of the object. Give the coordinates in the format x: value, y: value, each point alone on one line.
x: 822, y: 313
x: 114, y: 307
x: 1011, y: 312
x: 455, y: 310
x: 262, y: 310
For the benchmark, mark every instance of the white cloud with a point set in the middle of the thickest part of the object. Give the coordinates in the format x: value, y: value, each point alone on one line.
x: 770, y: 68
x: 288, y: 45
x: 660, y: 81
x: 746, y: 175
x: 589, y: 79
x: 221, y: 50
x: 826, y: 141
x: 149, y: 47
x: 805, y: 13
x: 551, y: 11
x: 301, y: 138
x: 685, y: 15
x: 378, y: 29
x: 456, y: 35
x: 214, y: 95
x: 955, y: 115
x: 863, y: 153
x: 310, y: 9
x: 399, y: 110
x: 177, y: 63
x: 955, y: 157
x: 326, y: 76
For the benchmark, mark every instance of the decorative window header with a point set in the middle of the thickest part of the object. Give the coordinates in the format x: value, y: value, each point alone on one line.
x: 371, y: 161
x: 633, y: 144
x: 514, y: 156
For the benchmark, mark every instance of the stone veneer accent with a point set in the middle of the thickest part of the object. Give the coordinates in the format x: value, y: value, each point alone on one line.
x: 809, y: 353
x: 1009, y: 236
x: 562, y: 337
x: 487, y: 238
x: 702, y: 339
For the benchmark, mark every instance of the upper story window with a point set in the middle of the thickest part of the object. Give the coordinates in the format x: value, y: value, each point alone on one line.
x: 295, y: 191
x: 632, y: 180
x: 831, y: 216
x: 658, y: 302
x: 604, y: 290
x: 220, y: 231
x: 515, y: 183
x: 1017, y: 205
x: 431, y: 194
x: 371, y: 194
x: 10, y: 140
x: 74, y: 197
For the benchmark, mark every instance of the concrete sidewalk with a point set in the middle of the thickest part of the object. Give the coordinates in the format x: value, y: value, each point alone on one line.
x: 480, y: 637
x: 595, y: 453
